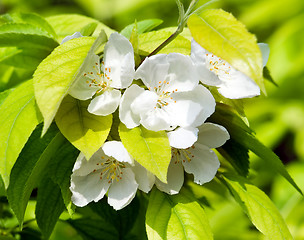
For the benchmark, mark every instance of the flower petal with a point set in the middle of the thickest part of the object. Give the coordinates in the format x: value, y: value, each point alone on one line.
x: 106, y: 103
x: 123, y: 191
x: 117, y: 150
x: 145, y: 102
x: 265, y: 52
x: 203, y: 165
x: 82, y: 88
x: 175, y: 179
x: 86, y: 189
x: 212, y: 135
x: 238, y: 86
x: 183, y: 137
x: 157, y: 120
x: 119, y: 62
x: 192, y: 108
x: 70, y: 37
x: 143, y: 177
x: 198, y: 56
x: 126, y: 115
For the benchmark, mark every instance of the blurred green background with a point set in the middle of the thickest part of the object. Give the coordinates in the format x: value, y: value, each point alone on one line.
x: 277, y: 119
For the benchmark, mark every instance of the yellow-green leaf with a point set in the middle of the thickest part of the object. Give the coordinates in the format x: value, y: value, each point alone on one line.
x: 221, y: 34
x: 84, y: 130
x: 151, y: 149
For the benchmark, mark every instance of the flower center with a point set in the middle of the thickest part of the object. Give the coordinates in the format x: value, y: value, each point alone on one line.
x: 217, y: 65
x: 182, y: 155
x: 111, y: 169
x: 96, y: 79
x: 164, y: 97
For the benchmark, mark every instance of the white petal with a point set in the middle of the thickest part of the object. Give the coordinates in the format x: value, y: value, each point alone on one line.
x: 152, y: 70
x: 88, y: 188
x: 106, y: 103
x: 123, y: 191
x: 198, y: 56
x: 203, y: 165
x: 145, y: 102
x: 265, y: 52
x: 82, y: 88
x: 183, y: 137
x: 175, y: 179
x: 119, y: 62
x: 143, y: 177
x: 212, y: 135
x: 117, y: 150
x: 75, y: 35
x: 238, y: 86
x: 126, y: 115
x: 157, y: 120
x: 192, y: 108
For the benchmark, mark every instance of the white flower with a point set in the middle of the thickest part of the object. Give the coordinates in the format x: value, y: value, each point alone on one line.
x: 230, y: 82
x: 198, y: 159
x: 173, y: 96
x: 108, y: 170
x: 70, y: 37
x: 116, y: 72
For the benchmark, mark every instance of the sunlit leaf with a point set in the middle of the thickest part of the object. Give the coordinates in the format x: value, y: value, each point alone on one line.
x: 176, y: 217
x: 18, y: 118
x: 49, y: 206
x: 220, y: 33
x: 259, y: 208
x: 30, y: 168
x: 151, y: 149
x: 84, y: 130
x: 56, y: 73
x: 151, y: 40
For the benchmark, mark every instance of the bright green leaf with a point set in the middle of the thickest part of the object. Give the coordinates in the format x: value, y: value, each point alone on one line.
x: 176, y: 217
x: 18, y: 118
x: 67, y: 24
x: 242, y: 134
x: 49, y: 206
x: 30, y: 168
x: 151, y: 149
x: 220, y: 33
x: 25, y: 35
x: 259, y: 208
x: 142, y: 26
x: 56, y: 73
x: 84, y: 130
x: 151, y: 40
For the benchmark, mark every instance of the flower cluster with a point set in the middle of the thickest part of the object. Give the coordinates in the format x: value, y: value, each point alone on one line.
x: 172, y: 96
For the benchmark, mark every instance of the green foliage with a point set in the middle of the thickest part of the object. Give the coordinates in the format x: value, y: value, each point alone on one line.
x: 19, y: 116
x: 30, y: 168
x: 84, y: 130
x: 49, y: 206
x: 57, y: 72
x: 259, y: 208
x: 151, y: 149
x: 221, y: 34
x: 176, y: 217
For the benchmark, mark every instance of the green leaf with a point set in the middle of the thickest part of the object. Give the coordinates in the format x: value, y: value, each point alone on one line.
x: 142, y: 26
x: 67, y: 24
x: 88, y: 29
x: 4, y: 95
x: 151, y: 149
x: 151, y: 40
x: 221, y: 34
x: 259, y: 208
x: 25, y: 35
x: 49, y: 206
x: 176, y: 217
x: 86, y: 131
x: 268, y: 77
x: 56, y: 73
x: 18, y: 118
x: 31, y: 167
x: 242, y: 134
x: 60, y: 170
